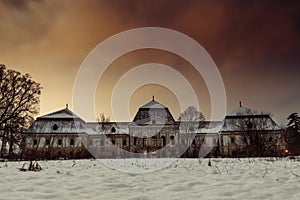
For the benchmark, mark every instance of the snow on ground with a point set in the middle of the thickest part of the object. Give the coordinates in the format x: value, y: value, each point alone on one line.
x: 259, y: 178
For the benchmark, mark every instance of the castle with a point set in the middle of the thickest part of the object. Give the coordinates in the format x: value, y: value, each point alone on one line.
x: 153, y: 133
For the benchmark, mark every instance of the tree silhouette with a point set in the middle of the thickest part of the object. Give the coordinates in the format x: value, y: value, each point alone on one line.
x: 189, y: 120
x: 294, y: 122
x: 19, y: 102
x: 258, y: 134
x: 292, y: 135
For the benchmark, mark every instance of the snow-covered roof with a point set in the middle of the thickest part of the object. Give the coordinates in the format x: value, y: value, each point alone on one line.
x: 247, y: 119
x: 56, y: 127
x: 211, y: 127
x: 61, y: 114
x: 153, y: 104
x: 107, y: 128
x: 58, y: 122
x: 202, y: 127
x: 153, y: 113
x: 243, y: 111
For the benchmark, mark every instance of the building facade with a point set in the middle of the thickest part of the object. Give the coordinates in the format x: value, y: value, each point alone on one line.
x: 246, y: 132
x: 152, y: 133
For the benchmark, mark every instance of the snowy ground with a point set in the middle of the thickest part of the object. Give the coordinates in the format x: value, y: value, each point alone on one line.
x: 265, y: 178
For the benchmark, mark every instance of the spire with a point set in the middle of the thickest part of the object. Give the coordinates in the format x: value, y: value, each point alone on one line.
x: 153, y: 98
x: 67, y: 106
x: 240, y: 104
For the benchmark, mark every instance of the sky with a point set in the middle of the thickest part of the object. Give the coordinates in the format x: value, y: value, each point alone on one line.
x: 254, y: 44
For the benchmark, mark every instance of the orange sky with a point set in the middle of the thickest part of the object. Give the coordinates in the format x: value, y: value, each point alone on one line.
x: 255, y: 45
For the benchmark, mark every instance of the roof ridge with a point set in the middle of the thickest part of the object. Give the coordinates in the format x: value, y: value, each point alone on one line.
x: 65, y: 113
x: 153, y: 103
x: 242, y: 110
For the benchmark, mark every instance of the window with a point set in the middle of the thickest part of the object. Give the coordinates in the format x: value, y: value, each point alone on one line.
x: 55, y: 127
x: 154, y: 141
x: 91, y: 142
x: 59, y: 142
x: 113, y: 129
x: 113, y: 141
x: 72, y: 142
x: 35, y: 142
x: 194, y: 142
x: 145, y: 141
x: 270, y: 139
x: 124, y: 142
x: 172, y: 140
x: 249, y: 125
x: 182, y: 141
x: 47, y: 142
x: 163, y: 138
x: 135, y: 141
x: 232, y: 140
x: 101, y: 143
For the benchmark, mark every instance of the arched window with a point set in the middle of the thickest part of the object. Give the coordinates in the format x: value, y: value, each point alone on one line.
x: 163, y: 140
x: 172, y: 140
x: 144, y: 141
x: 154, y: 141
x: 113, y: 129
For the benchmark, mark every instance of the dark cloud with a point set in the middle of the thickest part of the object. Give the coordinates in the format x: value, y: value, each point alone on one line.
x: 255, y: 44
x: 18, y: 4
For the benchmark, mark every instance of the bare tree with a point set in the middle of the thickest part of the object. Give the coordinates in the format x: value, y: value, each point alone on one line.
x: 189, y: 123
x: 102, y: 120
x: 257, y: 134
x: 19, y: 102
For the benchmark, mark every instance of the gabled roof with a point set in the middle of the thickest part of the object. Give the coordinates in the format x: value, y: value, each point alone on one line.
x: 61, y: 114
x: 58, y: 122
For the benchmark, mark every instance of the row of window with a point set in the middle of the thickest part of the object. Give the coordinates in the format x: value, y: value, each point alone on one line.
x: 136, y: 141
x: 59, y: 142
x: 232, y: 139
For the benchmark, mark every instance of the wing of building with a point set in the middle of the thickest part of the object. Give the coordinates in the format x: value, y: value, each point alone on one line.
x: 247, y: 132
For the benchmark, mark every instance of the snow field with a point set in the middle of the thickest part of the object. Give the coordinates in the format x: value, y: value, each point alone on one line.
x: 253, y: 178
